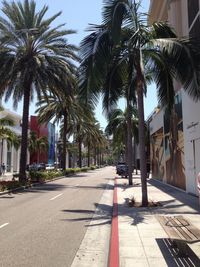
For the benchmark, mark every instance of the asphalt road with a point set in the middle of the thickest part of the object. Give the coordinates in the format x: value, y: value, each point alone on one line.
x: 44, y: 225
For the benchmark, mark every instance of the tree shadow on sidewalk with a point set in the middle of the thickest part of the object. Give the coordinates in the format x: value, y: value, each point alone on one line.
x: 183, y: 197
x: 104, y: 212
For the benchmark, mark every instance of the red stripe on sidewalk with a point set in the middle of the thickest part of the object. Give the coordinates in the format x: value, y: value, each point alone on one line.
x: 114, y: 241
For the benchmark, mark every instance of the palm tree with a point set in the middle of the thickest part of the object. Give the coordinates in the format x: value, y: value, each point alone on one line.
x: 94, y: 138
x: 84, y: 129
x: 126, y: 38
x: 34, y: 58
x: 113, y: 79
x: 37, y: 144
x: 61, y: 109
x: 118, y: 127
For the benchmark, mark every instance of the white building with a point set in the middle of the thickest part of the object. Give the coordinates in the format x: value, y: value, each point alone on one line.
x: 8, y: 154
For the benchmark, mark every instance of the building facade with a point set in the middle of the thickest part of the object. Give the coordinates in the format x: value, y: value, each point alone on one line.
x: 47, y: 130
x: 175, y: 139
x: 8, y: 154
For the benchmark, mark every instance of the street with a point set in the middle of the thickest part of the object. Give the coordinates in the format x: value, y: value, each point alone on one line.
x: 44, y: 225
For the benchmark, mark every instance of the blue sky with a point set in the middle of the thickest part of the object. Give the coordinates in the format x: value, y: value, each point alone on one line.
x: 77, y: 14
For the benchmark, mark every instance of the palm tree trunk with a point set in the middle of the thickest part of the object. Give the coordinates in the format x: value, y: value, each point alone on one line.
x: 99, y: 157
x: 79, y: 147
x: 24, y: 142
x: 64, y: 142
x: 1, y: 156
x: 126, y: 148
x: 2, y: 151
x: 80, y: 153
x: 142, y: 145
x: 129, y: 142
x: 95, y: 156
x: 88, y: 153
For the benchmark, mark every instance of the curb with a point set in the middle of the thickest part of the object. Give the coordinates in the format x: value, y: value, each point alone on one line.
x: 114, y: 240
x: 94, y: 247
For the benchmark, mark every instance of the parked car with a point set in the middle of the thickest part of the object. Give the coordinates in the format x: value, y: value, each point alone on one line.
x: 122, y: 169
x: 36, y: 167
x: 32, y: 167
x: 49, y: 167
x: 41, y: 166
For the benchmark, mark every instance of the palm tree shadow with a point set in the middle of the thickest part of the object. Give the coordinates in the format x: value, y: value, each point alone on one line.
x: 183, y: 197
x: 102, y: 214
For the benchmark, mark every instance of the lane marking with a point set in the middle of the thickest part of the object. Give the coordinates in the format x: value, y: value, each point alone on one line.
x: 56, y: 196
x: 3, y: 225
x: 114, y: 240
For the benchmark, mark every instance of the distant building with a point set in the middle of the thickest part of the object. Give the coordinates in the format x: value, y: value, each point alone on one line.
x: 47, y: 130
x: 175, y: 140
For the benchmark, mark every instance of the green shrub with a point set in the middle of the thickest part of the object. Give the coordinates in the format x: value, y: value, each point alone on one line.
x: 69, y: 171
x: 77, y: 169
x: 93, y: 168
x: 41, y: 176
x: 8, y: 185
x: 85, y: 169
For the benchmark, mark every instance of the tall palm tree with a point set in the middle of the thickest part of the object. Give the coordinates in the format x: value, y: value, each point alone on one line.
x: 61, y: 109
x: 113, y: 80
x: 84, y: 129
x: 118, y: 127
x: 94, y: 138
x: 34, y: 58
x: 125, y: 38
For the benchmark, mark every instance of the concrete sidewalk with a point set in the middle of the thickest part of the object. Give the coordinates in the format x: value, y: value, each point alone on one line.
x: 142, y: 240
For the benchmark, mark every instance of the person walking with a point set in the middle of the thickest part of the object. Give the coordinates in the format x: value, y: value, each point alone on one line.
x: 3, y: 168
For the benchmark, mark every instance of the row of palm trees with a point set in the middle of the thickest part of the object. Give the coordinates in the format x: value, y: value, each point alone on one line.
x: 75, y: 120
x: 118, y: 59
x: 36, y: 59
x: 123, y: 54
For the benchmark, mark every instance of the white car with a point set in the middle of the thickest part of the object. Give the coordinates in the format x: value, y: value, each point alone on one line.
x: 49, y: 167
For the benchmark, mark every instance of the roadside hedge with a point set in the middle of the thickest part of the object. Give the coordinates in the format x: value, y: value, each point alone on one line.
x: 41, y: 176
